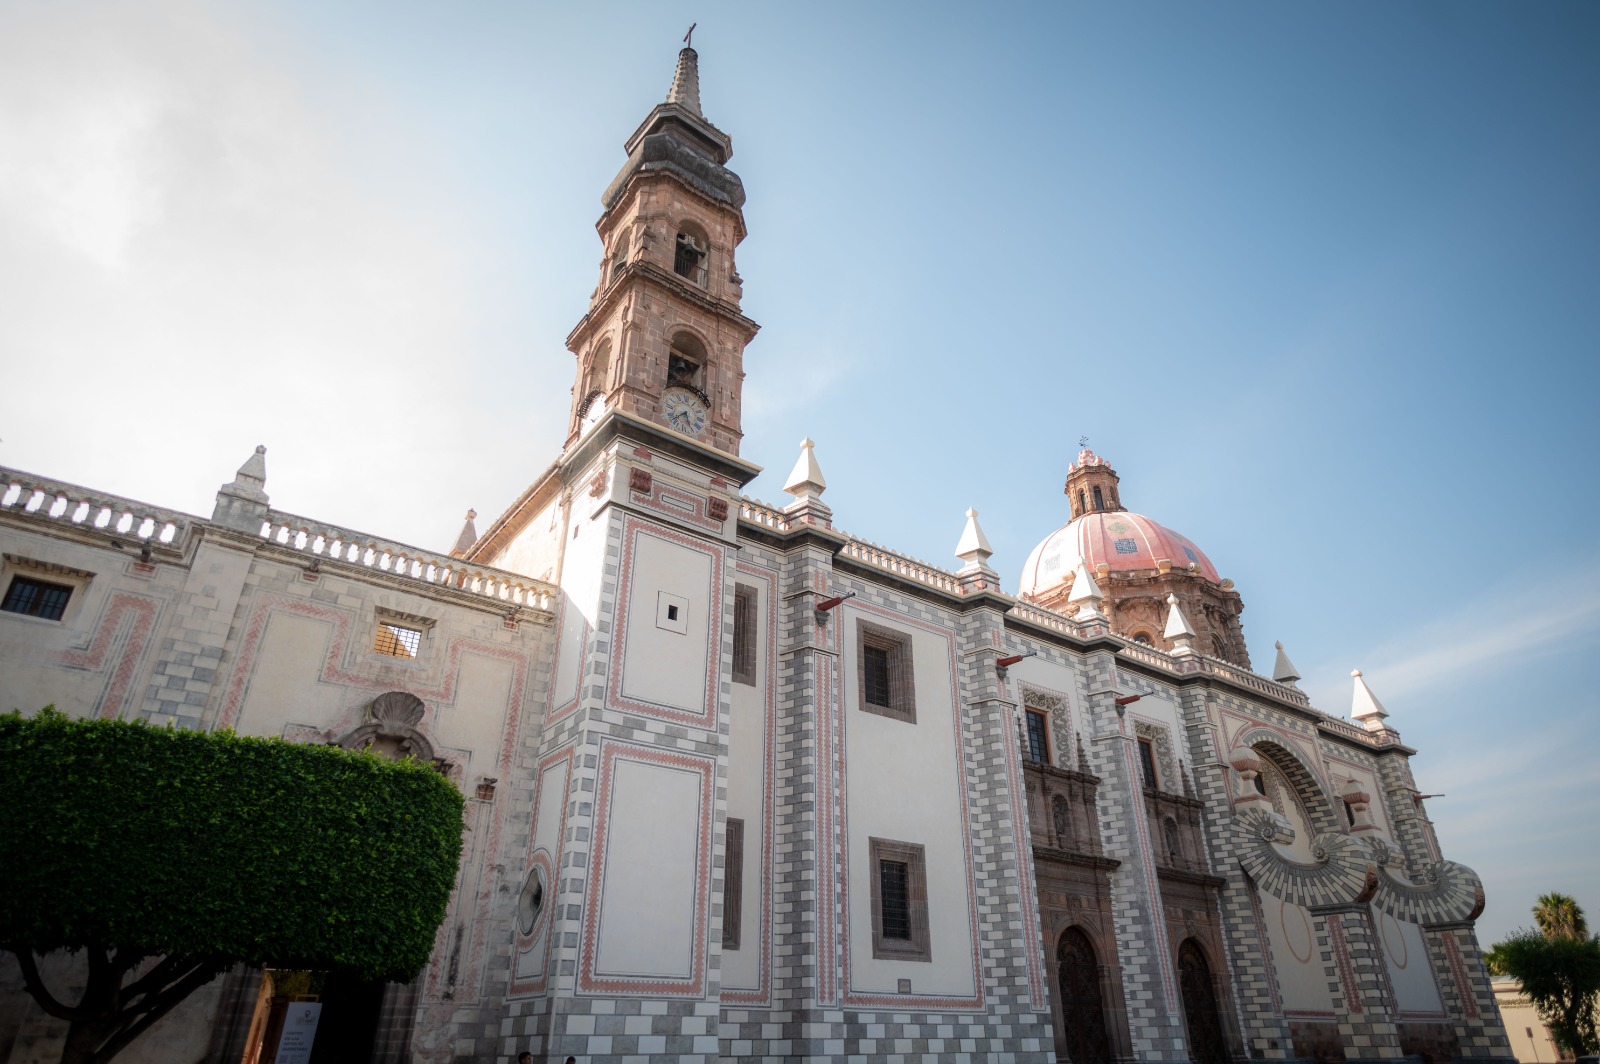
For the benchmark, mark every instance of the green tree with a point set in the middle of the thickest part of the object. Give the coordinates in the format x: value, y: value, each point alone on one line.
x: 1560, y: 916
x: 168, y: 856
x: 1559, y: 968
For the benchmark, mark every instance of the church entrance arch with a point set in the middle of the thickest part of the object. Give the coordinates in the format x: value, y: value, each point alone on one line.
x: 1083, y: 1015
x: 1202, y: 1022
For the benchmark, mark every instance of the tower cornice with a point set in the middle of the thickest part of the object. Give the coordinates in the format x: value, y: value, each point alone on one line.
x: 650, y: 273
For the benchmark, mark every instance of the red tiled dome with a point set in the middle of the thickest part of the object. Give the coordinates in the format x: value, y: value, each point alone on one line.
x: 1117, y: 539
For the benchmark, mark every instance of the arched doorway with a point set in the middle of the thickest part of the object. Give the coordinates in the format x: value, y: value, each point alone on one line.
x: 1082, y: 1010
x: 1201, y: 1020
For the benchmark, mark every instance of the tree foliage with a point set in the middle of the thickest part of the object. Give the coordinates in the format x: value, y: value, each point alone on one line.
x: 1560, y: 916
x: 1559, y: 969
x: 207, y: 849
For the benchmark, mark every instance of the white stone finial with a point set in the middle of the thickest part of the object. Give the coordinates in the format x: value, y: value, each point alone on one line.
x: 1086, y: 595
x: 1178, y: 630
x: 1364, y: 705
x: 973, y: 547
x: 806, y: 481
x: 468, y: 536
x: 1177, y: 623
x: 251, y: 480
x: 242, y: 502
x: 1283, y: 669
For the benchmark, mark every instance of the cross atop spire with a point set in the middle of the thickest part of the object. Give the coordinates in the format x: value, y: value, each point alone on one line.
x: 685, y: 91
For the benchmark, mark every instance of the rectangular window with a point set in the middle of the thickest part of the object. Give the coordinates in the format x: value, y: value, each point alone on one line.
x: 733, y: 884
x: 1038, y: 745
x: 397, y: 640
x: 744, y: 634
x: 884, y: 663
x: 36, y: 598
x: 1147, y: 765
x: 899, y: 901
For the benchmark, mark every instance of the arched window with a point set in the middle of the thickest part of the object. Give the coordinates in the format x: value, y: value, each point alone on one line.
x: 1144, y: 637
x: 619, y: 255
x: 1082, y: 508
x: 1169, y: 828
x: 1099, y: 500
x: 686, y: 363
x: 690, y: 254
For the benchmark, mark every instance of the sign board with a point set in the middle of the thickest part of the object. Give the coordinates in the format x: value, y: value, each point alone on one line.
x: 299, y: 1031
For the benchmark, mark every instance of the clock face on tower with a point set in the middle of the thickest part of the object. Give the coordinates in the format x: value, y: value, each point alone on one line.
x: 685, y: 411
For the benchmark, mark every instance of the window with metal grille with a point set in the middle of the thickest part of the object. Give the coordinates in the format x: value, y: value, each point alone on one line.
x: 894, y: 881
x: 397, y: 640
x: 744, y: 634
x: 36, y: 598
x: 1038, y: 747
x: 1147, y: 765
x: 733, y: 884
x: 899, y: 901
x: 884, y: 664
x: 875, y: 666
x: 689, y: 257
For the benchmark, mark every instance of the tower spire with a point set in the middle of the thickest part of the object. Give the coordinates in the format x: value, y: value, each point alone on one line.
x: 685, y: 91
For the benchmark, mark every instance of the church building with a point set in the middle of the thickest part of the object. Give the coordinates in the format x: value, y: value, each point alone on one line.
x: 742, y: 786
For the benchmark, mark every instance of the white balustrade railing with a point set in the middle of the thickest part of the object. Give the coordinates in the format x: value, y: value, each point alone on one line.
x: 1044, y: 618
x: 358, y: 548
x: 70, y: 504
x: 861, y: 550
x: 759, y: 513
x: 1246, y: 678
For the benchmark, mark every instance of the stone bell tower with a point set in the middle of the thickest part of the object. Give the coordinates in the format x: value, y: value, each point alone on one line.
x: 664, y: 338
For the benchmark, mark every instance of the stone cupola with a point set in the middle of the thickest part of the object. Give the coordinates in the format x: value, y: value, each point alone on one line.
x: 1092, y: 485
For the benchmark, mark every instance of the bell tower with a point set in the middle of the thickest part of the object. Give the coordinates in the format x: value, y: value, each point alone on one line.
x: 664, y: 339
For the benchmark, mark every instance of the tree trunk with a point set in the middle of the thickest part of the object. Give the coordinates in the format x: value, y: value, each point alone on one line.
x: 84, y: 1039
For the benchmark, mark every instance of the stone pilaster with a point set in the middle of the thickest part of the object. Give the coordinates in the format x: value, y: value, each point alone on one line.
x: 1358, y: 981
x: 1464, y: 985
x: 1262, y: 1027
x: 1154, y: 1007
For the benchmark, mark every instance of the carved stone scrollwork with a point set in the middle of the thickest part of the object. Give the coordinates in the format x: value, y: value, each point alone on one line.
x: 392, y: 728
x: 1351, y: 871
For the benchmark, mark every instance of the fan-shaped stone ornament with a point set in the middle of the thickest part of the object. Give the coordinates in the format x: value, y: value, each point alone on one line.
x: 397, y: 710
x: 1350, y: 871
x: 1343, y: 875
x: 392, y: 728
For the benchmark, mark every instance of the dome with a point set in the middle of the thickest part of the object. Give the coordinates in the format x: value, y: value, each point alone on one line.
x: 1119, y: 540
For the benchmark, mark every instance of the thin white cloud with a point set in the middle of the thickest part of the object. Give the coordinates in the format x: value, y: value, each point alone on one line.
x: 1491, y: 634
x: 196, y: 259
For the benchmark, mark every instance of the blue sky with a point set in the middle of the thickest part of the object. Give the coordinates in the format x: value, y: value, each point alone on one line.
x: 1318, y: 280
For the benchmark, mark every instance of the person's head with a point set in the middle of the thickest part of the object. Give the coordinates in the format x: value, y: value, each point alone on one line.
x: 572, y: 1060
x: 524, y: 1058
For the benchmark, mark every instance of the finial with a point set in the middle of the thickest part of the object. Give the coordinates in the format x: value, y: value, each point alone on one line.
x: 242, y: 502
x: 251, y: 480
x: 468, y: 536
x: 973, y: 547
x: 806, y: 480
x: 1283, y: 669
x: 1178, y: 630
x: 1364, y: 705
x: 1086, y: 595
